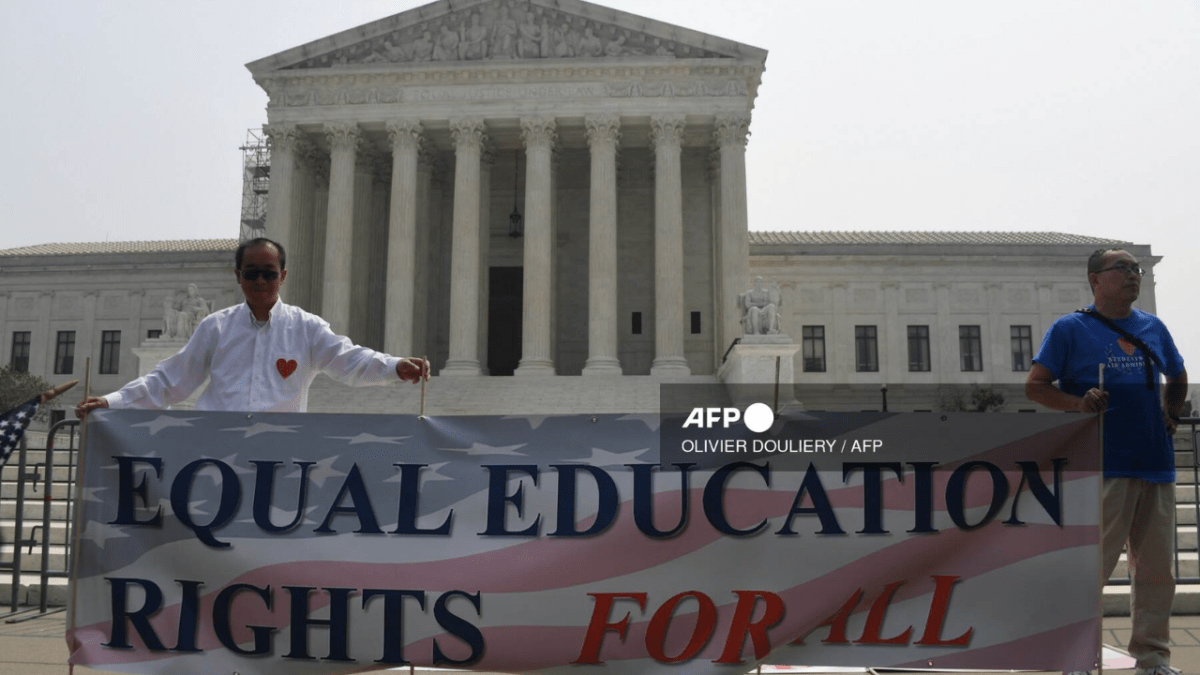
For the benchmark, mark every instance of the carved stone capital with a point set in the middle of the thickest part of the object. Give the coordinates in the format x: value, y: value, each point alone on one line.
x: 539, y: 132
x: 667, y: 131
x: 284, y: 137
x: 468, y: 133
x: 344, y: 136
x: 426, y: 158
x: 404, y: 135
x: 365, y: 159
x: 602, y: 132
x: 731, y: 130
x: 487, y: 153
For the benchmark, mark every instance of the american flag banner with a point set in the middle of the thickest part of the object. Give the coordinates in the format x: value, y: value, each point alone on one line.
x: 12, y: 427
x: 312, y: 543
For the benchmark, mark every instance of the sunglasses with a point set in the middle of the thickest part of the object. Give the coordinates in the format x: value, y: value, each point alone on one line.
x: 253, y: 275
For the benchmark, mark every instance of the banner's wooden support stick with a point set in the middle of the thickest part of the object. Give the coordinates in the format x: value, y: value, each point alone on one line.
x: 77, y: 516
x: 425, y: 366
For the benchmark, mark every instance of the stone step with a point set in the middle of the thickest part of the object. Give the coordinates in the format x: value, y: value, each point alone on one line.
x: 32, y: 562
x: 58, y: 531
x: 32, y: 510
x: 9, y: 473
x: 1115, y: 600
x: 36, y: 491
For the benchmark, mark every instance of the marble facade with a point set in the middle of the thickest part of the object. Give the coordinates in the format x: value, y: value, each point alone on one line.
x: 411, y: 134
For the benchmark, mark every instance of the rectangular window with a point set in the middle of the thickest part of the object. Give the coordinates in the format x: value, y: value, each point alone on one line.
x: 637, y: 323
x: 20, y: 351
x: 64, y: 353
x: 695, y: 323
x: 970, y: 347
x: 1022, y: 347
x: 866, y: 349
x: 814, y: 349
x: 153, y: 333
x: 918, y: 349
x: 110, y: 352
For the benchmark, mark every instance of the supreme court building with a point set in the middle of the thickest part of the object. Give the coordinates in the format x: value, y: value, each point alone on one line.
x: 548, y: 199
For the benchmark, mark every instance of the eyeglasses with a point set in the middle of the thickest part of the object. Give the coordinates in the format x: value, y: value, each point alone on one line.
x: 1125, y: 269
x: 253, y: 275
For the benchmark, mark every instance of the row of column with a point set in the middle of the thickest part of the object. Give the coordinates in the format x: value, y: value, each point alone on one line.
x: 469, y: 255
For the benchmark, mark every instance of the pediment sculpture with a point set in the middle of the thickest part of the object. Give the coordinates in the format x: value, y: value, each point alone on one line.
x: 501, y: 31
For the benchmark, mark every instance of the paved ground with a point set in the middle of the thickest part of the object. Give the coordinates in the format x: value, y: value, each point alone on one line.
x: 36, y: 647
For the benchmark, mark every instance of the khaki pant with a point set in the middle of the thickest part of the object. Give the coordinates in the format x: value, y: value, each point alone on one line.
x: 1141, y: 514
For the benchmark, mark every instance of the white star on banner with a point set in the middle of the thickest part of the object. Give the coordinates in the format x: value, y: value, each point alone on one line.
x: 193, y: 507
x: 165, y: 422
x: 89, y: 494
x: 429, y: 473
x: 481, y: 449
x: 535, y: 421
x: 237, y: 468
x: 605, y: 458
x: 99, y: 533
x: 279, y: 516
x: 264, y: 428
x: 651, y: 420
x: 364, y: 437
x: 320, y: 471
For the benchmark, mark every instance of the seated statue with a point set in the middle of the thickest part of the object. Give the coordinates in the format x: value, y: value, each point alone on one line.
x: 760, y: 309
x: 180, y: 318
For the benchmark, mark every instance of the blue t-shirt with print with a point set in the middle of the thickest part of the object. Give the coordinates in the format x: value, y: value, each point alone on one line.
x: 1136, y: 443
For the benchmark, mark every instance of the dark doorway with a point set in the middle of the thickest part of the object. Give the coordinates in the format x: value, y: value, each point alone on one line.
x: 504, y: 319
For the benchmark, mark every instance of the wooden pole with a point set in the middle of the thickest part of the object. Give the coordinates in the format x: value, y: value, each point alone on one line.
x: 424, y: 370
x: 77, y: 517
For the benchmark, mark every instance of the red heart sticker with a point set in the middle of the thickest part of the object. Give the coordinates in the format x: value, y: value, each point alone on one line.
x: 1126, y: 346
x: 286, y: 367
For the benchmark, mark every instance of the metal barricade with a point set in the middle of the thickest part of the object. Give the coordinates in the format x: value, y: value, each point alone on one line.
x: 28, y: 482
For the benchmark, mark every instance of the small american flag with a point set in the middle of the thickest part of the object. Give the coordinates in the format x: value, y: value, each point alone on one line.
x: 12, y: 427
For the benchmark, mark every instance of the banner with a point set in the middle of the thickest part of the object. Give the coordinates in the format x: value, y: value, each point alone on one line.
x: 288, y: 543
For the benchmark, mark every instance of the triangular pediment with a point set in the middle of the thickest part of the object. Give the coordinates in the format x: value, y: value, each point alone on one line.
x: 505, y: 30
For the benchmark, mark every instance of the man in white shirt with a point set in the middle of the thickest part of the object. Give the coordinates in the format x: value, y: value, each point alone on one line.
x: 261, y: 355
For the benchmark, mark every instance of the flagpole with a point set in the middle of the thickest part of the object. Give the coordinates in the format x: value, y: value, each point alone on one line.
x: 77, y: 517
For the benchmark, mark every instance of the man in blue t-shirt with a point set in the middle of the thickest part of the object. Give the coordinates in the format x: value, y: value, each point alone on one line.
x: 1140, y: 417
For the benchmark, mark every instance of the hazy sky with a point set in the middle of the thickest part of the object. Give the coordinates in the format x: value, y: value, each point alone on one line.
x: 122, y: 119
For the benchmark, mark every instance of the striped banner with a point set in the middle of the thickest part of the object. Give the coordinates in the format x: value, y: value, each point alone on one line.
x: 277, y: 543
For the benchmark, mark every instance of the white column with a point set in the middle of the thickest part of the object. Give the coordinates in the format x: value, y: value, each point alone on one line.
x: 281, y: 212
x: 344, y: 140
x: 301, y: 250
x: 666, y: 133
x: 539, y: 136
x: 377, y: 249
x: 603, y: 135
x: 320, y: 219
x: 734, y: 244
x: 421, y: 307
x: 485, y: 246
x: 405, y: 138
x: 361, y: 244
x: 468, y: 135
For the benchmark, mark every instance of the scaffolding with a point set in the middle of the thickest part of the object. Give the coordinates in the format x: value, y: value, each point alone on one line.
x: 256, y: 180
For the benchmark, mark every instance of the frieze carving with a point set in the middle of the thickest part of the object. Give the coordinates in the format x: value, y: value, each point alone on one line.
x: 505, y: 31
x: 281, y: 96
x: 284, y: 137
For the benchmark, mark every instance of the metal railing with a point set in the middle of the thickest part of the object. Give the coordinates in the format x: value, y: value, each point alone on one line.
x: 28, y: 482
